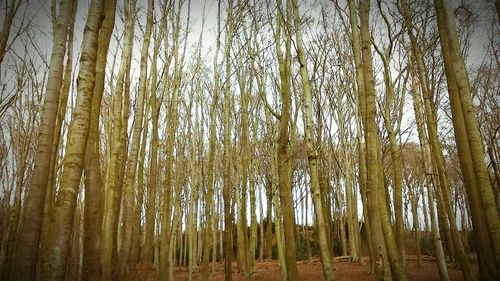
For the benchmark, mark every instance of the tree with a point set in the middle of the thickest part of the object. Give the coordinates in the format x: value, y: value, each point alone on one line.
x: 391, y: 99
x: 115, y: 169
x: 469, y: 142
x: 168, y: 227
x: 284, y: 163
x: 54, y: 264
x: 442, y: 186
x: 147, y: 254
x: 428, y: 171
x: 11, y: 7
x: 374, y: 174
x: 177, y: 139
x: 209, y: 208
x: 27, y: 243
x: 227, y: 185
x: 93, y: 177
x: 131, y: 166
x: 312, y: 153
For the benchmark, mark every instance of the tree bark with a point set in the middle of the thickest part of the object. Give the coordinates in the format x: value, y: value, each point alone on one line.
x: 12, y: 7
x: 374, y: 162
x: 312, y: 154
x: 227, y: 185
x: 114, y: 173
x: 437, y: 154
x: 209, y: 204
x: 27, y: 243
x: 147, y: 253
x: 54, y: 264
x: 131, y: 168
x: 425, y: 150
x: 168, y: 227
x: 284, y: 164
x: 468, y: 137
x: 92, y: 169
x: 54, y: 159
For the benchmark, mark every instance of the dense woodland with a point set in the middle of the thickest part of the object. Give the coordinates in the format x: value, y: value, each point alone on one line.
x: 158, y: 134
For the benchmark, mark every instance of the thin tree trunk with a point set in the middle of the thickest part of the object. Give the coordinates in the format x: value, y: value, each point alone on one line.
x: 113, y: 182
x: 61, y: 113
x: 443, y: 184
x: 425, y: 150
x: 12, y: 8
x: 131, y: 168
x: 135, y: 247
x: 269, y: 221
x: 209, y: 208
x: 209, y: 201
x: 252, y: 241
x: 351, y: 219
x: 27, y: 244
x: 168, y: 228
x: 284, y: 164
x: 93, y: 179
x: 373, y: 148
x: 372, y: 223
x: 243, y: 246
x: 397, y: 179
x: 227, y: 185
x: 272, y: 192
x: 306, y: 228
x: 436, y: 240
x: 416, y: 228
x: 261, y: 228
x: 147, y: 253
x: 463, y: 108
x: 114, y: 172
x: 54, y: 264
x: 191, y: 213
x: 278, y: 218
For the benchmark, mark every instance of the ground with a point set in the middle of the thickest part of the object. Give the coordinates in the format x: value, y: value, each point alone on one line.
x: 267, y: 270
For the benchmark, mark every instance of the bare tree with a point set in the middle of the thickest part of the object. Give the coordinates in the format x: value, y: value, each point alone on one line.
x: 27, y: 243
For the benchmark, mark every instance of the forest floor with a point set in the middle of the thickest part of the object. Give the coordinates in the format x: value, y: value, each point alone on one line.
x: 268, y: 270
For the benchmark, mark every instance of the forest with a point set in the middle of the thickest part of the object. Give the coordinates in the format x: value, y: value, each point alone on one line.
x: 249, y: 140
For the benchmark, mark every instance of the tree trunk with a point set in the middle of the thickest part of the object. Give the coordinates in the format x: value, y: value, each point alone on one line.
x: 284, y: 164
x: 436, y: 240
x: 93, y: 179
x: 12, y: 8
x: 136, y: 245
x: 27, y: 244
x: 414, y: 211
x: 168, y: 228
x: 374, y: 233
x: 436, y: 152
x: 54, y: 264
x: 261, y: 229
x: 468, y: 137
x: 425, y: 150
x: 312, y: 153
x: 147, y: 253
x: 115, y: 168
x: 54, y: 159
x: 252, y: 241
x: 209, y: 201
x: 227, y: 185
x: 245, y: 177
x: 131, y: 168
x: 373, y: 149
